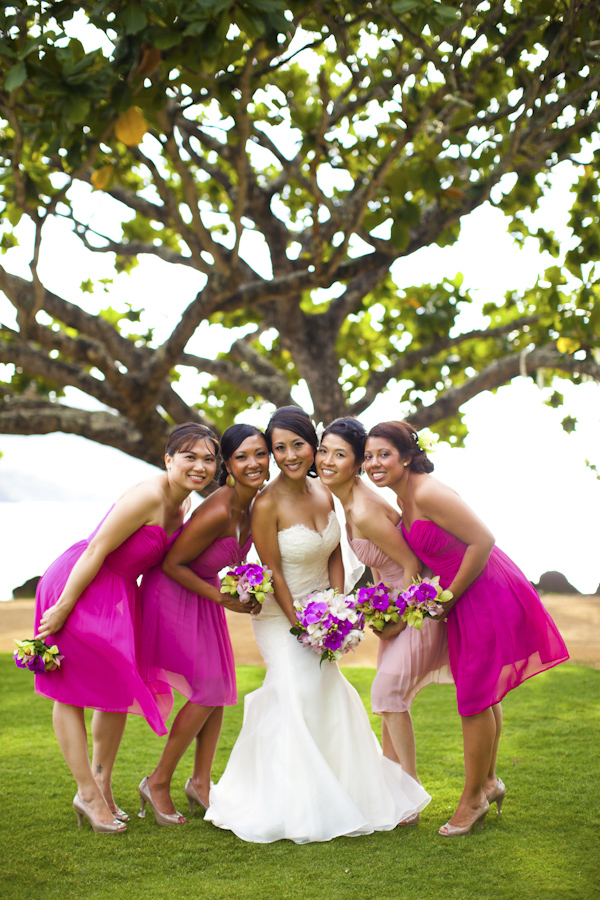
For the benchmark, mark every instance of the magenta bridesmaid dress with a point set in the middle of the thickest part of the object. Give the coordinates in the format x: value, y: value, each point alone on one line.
x: 412, y: 659
x: 499, y: 633
x: 97, y: 641
x: 184, y: 640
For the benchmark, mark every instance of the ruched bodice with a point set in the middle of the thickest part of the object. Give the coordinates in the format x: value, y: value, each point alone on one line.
x: 222, y: 552
x: 138, y: 553
x: 371, y: 555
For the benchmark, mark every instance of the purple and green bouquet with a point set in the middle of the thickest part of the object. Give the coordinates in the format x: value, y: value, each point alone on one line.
x: 248, y: 581
x: 423, y: 599
x: 37, y: 656
x: 329, y: 623
x: 379, y: 605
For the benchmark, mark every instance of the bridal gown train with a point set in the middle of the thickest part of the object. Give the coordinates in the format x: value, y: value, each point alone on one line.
x: 306, y: 765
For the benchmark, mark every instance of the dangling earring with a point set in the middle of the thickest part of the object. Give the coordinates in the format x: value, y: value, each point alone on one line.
x: 230, y: 480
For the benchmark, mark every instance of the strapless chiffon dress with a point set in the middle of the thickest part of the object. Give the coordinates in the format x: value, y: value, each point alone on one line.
x: 99, y: 669
x: 184, y: 641
x: 499, y: 633
x: 306, y: 765
x: 412, y: 659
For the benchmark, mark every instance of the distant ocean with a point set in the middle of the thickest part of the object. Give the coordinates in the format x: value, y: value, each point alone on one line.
x: 34, y: 532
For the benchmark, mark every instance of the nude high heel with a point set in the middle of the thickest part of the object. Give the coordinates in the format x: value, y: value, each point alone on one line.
x: 497, y: 796
x: 99, y: 827
x: 121, y: 815
x: 161, y: 818
x: 192, y: 794
x: 455, y: 830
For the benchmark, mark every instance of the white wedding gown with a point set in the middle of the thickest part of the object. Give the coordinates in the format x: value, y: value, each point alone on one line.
x: 306, y: 765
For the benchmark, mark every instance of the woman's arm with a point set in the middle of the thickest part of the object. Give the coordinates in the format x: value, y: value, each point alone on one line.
x: 209, y: 522
x: 336, y: 570
x: 443, y: 506
x: 135, y: 508
x: 264, y: 532
x: 382, y: 532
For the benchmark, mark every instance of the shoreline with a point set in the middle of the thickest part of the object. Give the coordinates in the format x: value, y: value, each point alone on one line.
x: 577, y: 617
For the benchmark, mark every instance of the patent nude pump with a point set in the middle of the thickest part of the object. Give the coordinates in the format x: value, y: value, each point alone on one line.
x: 449, y: 830
x: 99, y: 827
x: 497, y: 796
x: 161, y: 818
x: 192, y: 795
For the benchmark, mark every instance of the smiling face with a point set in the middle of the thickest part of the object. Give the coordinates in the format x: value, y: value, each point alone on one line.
x: 193, y: 468
x: 293, y: 455
x: 383, y: 463
x: 335, y: 461
x: 249, y: 463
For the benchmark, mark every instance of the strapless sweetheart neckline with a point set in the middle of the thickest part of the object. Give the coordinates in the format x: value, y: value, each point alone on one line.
x: 306, y: 528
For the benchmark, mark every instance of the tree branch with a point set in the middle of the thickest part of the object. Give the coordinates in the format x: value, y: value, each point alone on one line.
x: 500, y: 372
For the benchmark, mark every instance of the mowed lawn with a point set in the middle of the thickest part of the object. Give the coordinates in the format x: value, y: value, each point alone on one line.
x: 544, y: 846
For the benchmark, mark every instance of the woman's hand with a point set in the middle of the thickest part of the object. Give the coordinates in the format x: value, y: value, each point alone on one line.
x: 52, y: 621
x: 229, y: 602
x: 389, y: 630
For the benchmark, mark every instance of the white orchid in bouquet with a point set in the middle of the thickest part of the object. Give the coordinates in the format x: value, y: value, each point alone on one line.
x: 329, y: 623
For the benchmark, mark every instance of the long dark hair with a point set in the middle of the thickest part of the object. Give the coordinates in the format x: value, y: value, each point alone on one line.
x: 353, y: 432
x: 292, y: 418
x: 405, y: 439
x: 231, y: 439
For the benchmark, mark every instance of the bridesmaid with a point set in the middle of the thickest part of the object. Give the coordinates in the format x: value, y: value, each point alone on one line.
x: 86, y: 601
x: 184, y: 639
x: 408, y: 659
x: 499, y: 634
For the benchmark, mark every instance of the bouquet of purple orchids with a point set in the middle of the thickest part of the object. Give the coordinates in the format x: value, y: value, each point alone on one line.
x: 379, y: 605
x: 329, y: 623
x: 248, y: 581
x: 37, y: 656
x: 423, y: 599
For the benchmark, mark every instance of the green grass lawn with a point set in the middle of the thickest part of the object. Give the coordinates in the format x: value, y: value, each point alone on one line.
x: 544, y: 846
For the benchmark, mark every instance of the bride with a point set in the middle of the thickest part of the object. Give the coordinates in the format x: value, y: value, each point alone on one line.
x: 306, y: 765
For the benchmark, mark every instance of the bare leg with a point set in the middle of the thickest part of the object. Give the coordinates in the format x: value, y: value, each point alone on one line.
x: 386, y: 742
x: 479, y: 738
x: 69, y: 727
x: 492, y: 779
x: 107, y: 732
x: 398, y: 736
x: 206, y: 747
x: 188, y: 723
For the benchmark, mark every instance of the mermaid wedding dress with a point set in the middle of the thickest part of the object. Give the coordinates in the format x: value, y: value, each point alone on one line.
x: 306, y: 765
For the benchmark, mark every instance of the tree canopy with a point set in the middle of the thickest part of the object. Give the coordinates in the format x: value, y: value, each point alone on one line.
x: 345, y: 137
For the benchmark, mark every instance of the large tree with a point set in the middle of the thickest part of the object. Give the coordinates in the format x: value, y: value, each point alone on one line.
x: 348, y: 135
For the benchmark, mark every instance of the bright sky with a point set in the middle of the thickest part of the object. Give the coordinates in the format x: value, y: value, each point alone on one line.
x: 520, y: 471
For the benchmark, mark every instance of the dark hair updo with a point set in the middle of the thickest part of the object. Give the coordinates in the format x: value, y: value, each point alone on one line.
x: 405, y: 439
x: 183, y: 437
x: 292, y: 418
x: 231, y: 439
x: 353, y: 432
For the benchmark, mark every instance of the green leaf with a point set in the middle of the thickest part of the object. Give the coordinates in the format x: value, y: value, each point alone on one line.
x: 133, y: 19
x: 17, y: 75
x: 446, y: 14
x: 401, y: 7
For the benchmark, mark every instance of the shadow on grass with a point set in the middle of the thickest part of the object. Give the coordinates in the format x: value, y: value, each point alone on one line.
x: 544, y: 846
